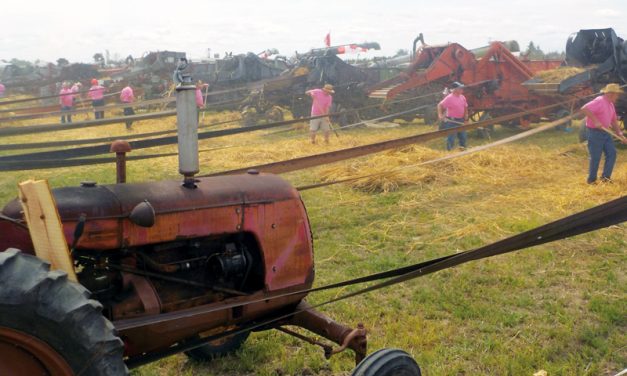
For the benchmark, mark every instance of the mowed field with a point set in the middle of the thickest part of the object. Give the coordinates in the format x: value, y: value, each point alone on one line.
x: 559, y: 307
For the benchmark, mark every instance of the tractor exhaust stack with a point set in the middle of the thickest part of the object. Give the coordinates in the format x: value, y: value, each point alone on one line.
x: 187, y: 125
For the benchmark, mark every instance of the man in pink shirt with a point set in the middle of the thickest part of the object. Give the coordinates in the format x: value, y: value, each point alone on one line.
x: 456, y: 109
x: 2, y: 89
x: 127, y: 96
x: 96, y: 94
x: 322, y: 101
x: 600, y: 117
x: 66, y: 100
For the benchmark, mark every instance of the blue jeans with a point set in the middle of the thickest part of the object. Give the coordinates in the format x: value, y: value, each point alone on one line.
x: 63, y: 116
x: 450, y: 139
x: 600, y: 142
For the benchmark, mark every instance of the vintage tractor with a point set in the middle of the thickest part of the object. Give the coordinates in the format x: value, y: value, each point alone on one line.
x: 165, y: 267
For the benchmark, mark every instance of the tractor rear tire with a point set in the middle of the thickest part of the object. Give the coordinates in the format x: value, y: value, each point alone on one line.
x: 218, y: 348
x: 48, y: 324
x: 387, y: 362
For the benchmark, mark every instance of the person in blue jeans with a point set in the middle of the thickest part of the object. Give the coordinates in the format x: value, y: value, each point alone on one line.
x: 456, y: 109
x: 600, y: 117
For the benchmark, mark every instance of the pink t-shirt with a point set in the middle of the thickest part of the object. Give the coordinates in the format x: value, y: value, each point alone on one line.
x: 96, y: 92
x: 321, y: 102
x: 66, y: 98
x: 455, y: 105
x: 127, y: 95
x: 603, y: 109
x: 199, y: 101
x: 1, y: 90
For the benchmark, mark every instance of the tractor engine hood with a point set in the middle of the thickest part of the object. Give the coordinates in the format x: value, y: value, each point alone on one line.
x: 216, y: 206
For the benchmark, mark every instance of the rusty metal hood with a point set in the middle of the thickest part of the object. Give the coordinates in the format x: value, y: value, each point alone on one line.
x: 118, y: 200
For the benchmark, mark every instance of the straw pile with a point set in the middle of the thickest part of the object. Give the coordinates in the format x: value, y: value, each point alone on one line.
x: 387, y: 170
x: 506, y: 166
x: 558, y: 74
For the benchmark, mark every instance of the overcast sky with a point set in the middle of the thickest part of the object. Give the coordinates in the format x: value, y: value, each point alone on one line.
x: 77, y: 29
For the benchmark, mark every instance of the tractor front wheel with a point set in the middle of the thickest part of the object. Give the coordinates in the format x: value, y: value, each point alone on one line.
x: 387, y: 362
x: 48, y: 324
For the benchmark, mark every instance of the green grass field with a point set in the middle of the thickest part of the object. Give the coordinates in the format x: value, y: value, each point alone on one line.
x: 559, y: 307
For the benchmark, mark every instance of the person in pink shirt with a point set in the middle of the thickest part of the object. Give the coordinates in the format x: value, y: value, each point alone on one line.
x: 127, y: 96
x: 96, y: 94
x: 321, y: 105
x: 200, y: 103
x: 600, y: 117
x: 2, y: 89
x: 66, y: 100
x: 456, y: 109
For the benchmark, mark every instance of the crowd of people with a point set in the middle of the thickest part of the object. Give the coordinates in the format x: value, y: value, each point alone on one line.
x: 70, y: 94
x: 601, y: 120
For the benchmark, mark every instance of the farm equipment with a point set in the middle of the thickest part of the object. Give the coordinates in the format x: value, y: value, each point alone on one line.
x: 492, y: 74
x: 601, y: 57
x: 150, y: 75
x: 312, y: 69
x: 169, y: 267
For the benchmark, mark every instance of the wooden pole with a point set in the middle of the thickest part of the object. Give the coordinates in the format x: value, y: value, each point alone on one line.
x: 44, y: 225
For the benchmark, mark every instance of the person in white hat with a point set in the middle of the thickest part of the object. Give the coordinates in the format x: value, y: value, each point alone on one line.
x: 322, y: 101
x: 600, y: 117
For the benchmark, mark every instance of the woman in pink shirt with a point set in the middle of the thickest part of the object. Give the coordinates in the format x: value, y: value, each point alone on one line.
x: 456, y: 109
x: 96, y: 94
x: 66, y: 100
x: 600, y: 117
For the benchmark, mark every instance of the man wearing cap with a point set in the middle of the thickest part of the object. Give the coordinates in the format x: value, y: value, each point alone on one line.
x: 456, y: 109
x: 600, y: 116
x: 127, y: 97
x: 322, y: 100
x: 66, y: 100
x: 96, y: 94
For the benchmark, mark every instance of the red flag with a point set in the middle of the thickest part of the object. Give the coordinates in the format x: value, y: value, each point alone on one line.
x: 327, y: 40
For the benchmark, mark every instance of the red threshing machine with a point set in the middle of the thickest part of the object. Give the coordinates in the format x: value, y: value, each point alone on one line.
x: 170, y: 267
x: 493, y: 77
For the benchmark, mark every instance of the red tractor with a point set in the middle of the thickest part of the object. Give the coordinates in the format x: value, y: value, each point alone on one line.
x: 162, y: 268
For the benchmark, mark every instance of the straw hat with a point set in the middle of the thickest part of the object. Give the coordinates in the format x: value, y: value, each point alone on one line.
x: 612, y: 88
x: 328, y: 88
